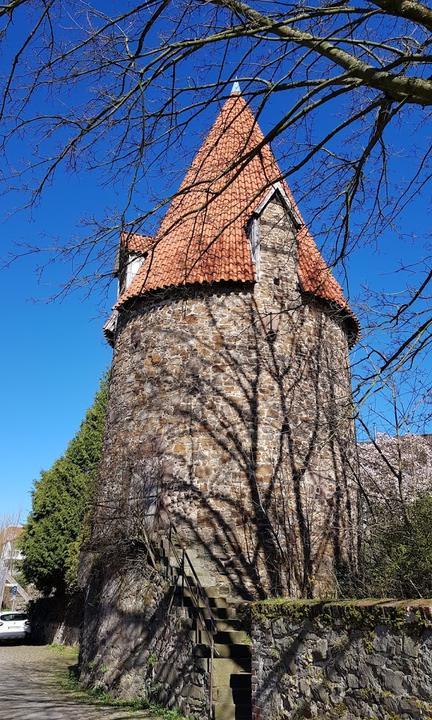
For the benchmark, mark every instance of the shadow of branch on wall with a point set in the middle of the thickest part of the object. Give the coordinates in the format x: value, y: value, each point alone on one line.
x: 238, y: 435
x: 251, y: 461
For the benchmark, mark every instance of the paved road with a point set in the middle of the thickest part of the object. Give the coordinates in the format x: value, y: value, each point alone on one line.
x: 28, y: 690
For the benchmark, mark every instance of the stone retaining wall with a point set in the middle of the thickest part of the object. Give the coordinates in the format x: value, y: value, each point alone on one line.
x: 57, y: 619
x: 351, y: 660
x: 137, y: 641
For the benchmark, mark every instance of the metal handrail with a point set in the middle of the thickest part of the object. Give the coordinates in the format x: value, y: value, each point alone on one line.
x: 201, y: 592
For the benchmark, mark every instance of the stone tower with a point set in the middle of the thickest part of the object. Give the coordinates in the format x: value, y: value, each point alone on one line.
x: 230, y: 416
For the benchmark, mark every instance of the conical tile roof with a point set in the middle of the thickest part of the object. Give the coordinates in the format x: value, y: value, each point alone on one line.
x: 203, y: 236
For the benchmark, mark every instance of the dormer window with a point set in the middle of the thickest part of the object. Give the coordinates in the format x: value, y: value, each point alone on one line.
x: 131, y: 255
x: 134, y: 262
x: 253, y: 227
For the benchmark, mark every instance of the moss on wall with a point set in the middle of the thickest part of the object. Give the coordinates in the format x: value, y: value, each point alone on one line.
x: 408, y: 615
x: 351, y: 659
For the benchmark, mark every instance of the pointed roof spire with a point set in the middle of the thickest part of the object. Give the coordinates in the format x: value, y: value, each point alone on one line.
x: 236, y: 89
x: 202, y: 238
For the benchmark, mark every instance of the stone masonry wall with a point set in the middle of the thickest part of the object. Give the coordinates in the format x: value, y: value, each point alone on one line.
x: 347, y: 661
x: 57, y: 619
x: 137, y: 642
x: 230, y: 417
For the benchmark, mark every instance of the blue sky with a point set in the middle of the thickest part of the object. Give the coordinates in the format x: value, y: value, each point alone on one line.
x: 54, y: 352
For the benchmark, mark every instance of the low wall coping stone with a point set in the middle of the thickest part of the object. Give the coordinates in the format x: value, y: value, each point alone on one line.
x: 358, y: 612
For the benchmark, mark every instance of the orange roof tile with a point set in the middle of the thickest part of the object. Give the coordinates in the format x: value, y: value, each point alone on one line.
x: 202, y: 237
x: 134, y: 243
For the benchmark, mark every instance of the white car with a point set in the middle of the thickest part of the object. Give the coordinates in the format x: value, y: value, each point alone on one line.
x: 14, y: 626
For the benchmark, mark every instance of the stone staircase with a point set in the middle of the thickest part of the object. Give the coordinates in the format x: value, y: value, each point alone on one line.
x: 222, y: 647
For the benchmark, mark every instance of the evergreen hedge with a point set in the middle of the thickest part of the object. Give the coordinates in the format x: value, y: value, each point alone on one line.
x: 61, y: 499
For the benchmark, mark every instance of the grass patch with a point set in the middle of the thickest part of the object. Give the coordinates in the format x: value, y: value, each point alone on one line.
x: 67, y: 680
x: 70, y: 651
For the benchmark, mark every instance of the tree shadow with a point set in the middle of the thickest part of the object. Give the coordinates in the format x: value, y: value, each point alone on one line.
x: 230, y: 428
x: 250, y: 462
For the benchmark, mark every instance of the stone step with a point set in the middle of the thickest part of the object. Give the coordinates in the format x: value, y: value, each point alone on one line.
x: 220, y: 602
x: 214, y: 594
x: 223, y: 695
x: 175, y: 564
x: 176, y: 561
x: 166, y: 551
x: 172, y: 561
x: 225, y: 668
x: 232, y: 652
x: 202, y: 637
x: 241, y: 680
x: 213, y: 603
x: 235, y: 638
x: 164, y: 544
x: 225, y: 625
x: 182, y: 582
x: 229, y: 711
x: 213, y: 591
x: 199, y: 568
x: 236, y: 695
x: 222, y: 613
x: 232, y: 637
x: 196, y: 591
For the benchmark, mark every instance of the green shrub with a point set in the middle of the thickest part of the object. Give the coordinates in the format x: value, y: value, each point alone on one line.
x: 397, y: 553
x: 61, y: 498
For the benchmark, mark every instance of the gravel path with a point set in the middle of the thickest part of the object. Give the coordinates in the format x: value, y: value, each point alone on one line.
x: 29, y: 691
